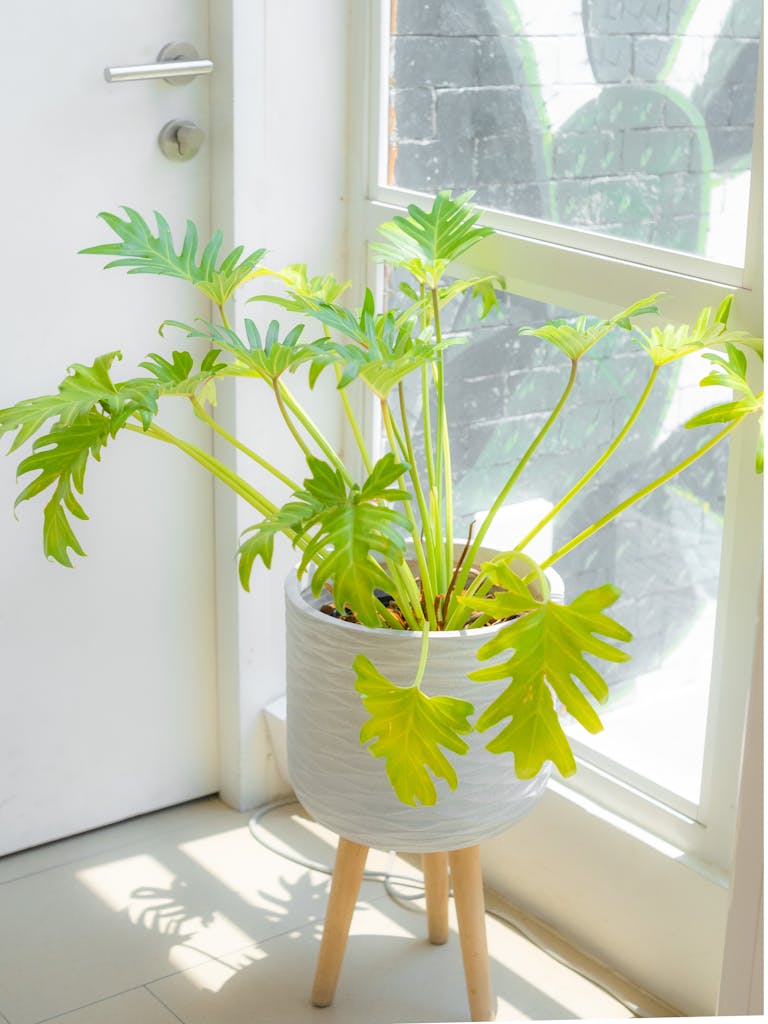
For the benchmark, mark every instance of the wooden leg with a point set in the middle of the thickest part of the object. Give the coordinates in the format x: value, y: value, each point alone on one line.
x: 435, y: 867
x: 347, y: 875
x: 467, y: 880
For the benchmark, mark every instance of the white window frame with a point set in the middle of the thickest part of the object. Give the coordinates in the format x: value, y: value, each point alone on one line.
x: 581, y: 270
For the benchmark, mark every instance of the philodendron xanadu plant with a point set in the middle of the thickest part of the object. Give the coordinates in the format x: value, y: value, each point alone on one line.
x: 353, y: 533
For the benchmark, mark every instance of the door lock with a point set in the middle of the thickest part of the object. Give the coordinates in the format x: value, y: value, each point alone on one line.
x: 181, y: 140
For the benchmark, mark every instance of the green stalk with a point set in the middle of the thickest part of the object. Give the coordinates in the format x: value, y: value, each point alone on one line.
x: 288, y: 421
x: 443, y: 454
x: 203, y: 415
x: 455, y: 612
x: 430, y: 536
x: 391, y: 620
x: 429, y: 454
x: 595, y: 468
x: 425, y: 410
x: 639, y: 495
x: 426, y: 581
x: 422, y: 656
x: 213, y: 465
x: 352, y: 420
x: 287, y: 398
x: 408, y: 597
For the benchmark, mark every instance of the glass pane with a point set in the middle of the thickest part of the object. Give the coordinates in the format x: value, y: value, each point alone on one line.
x: 627, y: 119
x: 663, y: 553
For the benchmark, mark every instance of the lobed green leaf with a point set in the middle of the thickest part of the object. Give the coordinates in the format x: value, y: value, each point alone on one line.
x: 407, y: 728
x: 426, y: 241
x: 146, y: 253
x: 577, y: 338
x: 548, y: 642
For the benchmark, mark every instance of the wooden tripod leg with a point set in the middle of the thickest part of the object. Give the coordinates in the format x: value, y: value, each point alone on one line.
x: 347, y: 875
x: 435, y: 867
x: 467, y: 878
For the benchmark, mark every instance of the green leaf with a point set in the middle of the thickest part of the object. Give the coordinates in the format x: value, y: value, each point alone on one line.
x: 304, y: 292
x: 179, y: 377
x: 345, y: 527
x: 382, y: 351
x: 89, y: 408
x: 145, y: 253
x: 482, y: 288
x: 729, y: 372
x: 534, y: 734
x: 261, y: 542
x: 666, y: 344
x: 267, y: 358
x: 60, y: 459
x: 577, y: 337
x: 408, y: 729
x: 548, y: 642
x: 426, y: 241
x: 352, y: 524
x: 84, y: 389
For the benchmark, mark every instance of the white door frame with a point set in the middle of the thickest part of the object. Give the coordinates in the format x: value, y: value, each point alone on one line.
x: 279, y: 165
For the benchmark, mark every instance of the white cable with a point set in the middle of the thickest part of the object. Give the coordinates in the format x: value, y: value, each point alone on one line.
x: 263, y: 837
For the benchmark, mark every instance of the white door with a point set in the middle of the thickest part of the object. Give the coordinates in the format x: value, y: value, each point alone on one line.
x: 108, y: 705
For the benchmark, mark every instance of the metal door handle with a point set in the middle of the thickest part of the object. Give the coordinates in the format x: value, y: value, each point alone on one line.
x: 177, y: 64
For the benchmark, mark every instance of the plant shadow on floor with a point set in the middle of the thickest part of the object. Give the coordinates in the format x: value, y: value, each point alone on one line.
x: 391, y: 972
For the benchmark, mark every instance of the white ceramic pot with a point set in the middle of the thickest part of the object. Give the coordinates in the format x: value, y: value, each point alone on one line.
x: 340, y: 783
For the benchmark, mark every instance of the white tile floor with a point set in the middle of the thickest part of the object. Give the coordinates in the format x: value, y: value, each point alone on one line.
x: 183, y: 916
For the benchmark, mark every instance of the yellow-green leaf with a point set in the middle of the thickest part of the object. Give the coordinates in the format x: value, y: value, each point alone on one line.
x: 408, y: 728
x: 547, y: 646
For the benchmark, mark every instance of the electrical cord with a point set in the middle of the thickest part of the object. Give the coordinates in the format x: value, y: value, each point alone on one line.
x: 389, y: 880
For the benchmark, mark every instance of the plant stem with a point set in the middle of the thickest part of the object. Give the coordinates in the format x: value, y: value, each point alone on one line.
x: 203, y: 415
x: 213, y: 465
x: 595, y: 468
x: 391, y: 620
x: 407, y: 441
x: 288, y: 421
x: 408, y: 598
x: 452, y: 585
x: 455, y: 611
x: 429, y: 455
x: 426, y: 581
x: 443, y: 455
x: 639, y: 495
x: 223, y: 315
x: 422, y: 656
x: 352, y: 420
x: 313, y: 431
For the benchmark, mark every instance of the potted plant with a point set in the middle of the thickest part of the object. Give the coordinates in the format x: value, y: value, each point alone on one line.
x: 378, y: 553
x: 391, y: 618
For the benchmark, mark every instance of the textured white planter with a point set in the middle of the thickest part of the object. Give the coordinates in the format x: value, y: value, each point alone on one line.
x: 340, y: 783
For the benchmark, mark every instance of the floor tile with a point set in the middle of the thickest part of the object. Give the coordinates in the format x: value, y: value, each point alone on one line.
x: 221, y: 930
x: 391, y: 974
x: 143, y: 910
x: 136, y: 1007
x: 111, y: 837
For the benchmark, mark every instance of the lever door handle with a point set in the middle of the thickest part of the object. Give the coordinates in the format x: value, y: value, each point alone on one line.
x: 177, y: 64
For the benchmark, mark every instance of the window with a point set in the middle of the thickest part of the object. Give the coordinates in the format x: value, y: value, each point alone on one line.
x: 631, y: 120
x: 611, y: 144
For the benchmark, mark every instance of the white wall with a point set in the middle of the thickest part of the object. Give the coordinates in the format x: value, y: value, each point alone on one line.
x: 279, y: 136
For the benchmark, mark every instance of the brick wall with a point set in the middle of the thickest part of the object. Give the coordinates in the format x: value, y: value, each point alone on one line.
x: 475, y: 103
x: 635, y: 154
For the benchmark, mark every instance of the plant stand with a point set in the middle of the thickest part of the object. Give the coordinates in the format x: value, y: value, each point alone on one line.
x: 467, y: 880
